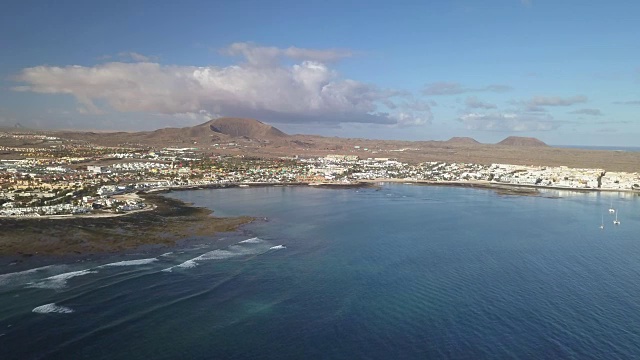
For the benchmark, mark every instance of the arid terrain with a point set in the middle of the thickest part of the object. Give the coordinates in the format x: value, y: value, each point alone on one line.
x: 253, y: 138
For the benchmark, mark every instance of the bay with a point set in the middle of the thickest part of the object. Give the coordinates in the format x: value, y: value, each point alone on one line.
x: 400, y: 271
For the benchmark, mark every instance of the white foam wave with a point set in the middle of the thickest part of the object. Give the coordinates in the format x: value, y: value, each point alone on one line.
x: 59, y: 281
x: 278, y: 247
x: 166, y: 254
x: 188, y: 264
x: 254, y: 240
x: 221, y: 254
x: 21, y: 276
x: 52, y: 308
x: 131, y: 262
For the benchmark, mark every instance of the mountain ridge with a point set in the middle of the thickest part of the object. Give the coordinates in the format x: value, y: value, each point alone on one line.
x: 522, y: 141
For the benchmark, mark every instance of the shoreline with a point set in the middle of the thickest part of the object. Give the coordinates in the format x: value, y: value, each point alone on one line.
x: 167, y: 222
x: 171, y: 223
x: 497, y: 185
x: 484, y: 184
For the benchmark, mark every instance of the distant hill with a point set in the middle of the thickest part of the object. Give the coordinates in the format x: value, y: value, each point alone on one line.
x: 462, y: 140
x: 521, y: 141
x: 218, y: 130
x: 249, y: 128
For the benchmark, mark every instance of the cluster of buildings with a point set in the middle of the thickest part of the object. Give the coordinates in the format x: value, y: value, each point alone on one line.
x: 54, y: 186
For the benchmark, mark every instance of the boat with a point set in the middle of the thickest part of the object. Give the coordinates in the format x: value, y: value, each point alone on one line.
x: 616, y: 221
x: 611, y: 209
x: 602, y: 223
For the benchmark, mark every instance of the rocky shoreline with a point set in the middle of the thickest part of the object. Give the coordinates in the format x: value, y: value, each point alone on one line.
x: 166, y: 223
x: 170, y: 222
x: 163, y: 224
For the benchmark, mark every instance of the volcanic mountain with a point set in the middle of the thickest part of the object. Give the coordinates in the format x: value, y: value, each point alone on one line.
x: 462, y: 141
x: 521, y: 141
x: 252, y: 138
x: 249, y: 128
x: 222, y: 129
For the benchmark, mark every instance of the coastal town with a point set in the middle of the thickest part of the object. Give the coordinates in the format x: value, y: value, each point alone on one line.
x: 63, y: 181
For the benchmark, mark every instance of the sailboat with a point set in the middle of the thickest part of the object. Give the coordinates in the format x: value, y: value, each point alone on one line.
x: 616, y: 221
x: 611, y: 209
x: 602, y: 223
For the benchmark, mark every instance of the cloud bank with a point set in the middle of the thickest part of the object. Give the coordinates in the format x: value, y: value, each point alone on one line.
x: 508, y: 122
x: 592, y: 112
x: 453, y: 88
x: 262, y: 86
x: 556, y: 100
x: 473, y: 102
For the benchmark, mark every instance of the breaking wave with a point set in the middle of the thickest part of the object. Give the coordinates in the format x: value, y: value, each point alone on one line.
x: 254, y: 240
x: 278, y: 247
x: 131, y: 262
x: 21, y: 276
x: 52, y: 308
x: 241, y: 249
x: 59, y: 281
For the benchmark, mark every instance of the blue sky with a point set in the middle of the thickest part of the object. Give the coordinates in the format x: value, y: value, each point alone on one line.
x: 566, y: 72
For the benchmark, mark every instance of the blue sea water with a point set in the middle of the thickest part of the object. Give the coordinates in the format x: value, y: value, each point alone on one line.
x: 605, y: 148
x: 403, y: 271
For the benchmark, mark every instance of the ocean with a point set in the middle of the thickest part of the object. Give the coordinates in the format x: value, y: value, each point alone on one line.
x: 399, y: 271
x: 604, y: 148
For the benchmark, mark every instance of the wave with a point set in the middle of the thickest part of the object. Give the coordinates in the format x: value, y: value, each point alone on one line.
x: 52, y: 308
x: 59, y: 281
x: 131, y: 262
x: 253, y: 240
x: 221, y: 254
x: 166, y: 254
x: 278, y: 247
x: 10, y: 278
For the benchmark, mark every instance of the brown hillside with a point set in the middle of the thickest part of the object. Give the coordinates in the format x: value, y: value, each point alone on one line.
x: 462, y: 140
x: 249, y: 128
x: 181, y: 135
x: 205, y: 139
x: 215, y: 131
x: 521, y: 141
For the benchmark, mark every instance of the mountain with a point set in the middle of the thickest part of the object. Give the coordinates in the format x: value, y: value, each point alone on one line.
x: 252, y: 138
x: 249, y: 128
x: 521, y: 141
x: 462, y: 140
x: 218, y: 130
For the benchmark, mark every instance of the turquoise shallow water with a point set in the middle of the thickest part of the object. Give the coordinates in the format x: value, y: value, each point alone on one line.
x: 404, y: 271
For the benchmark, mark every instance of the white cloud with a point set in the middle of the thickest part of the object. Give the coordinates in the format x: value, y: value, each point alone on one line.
x: 263, y: 87
x: 538, y: 103
x: 269, y: 55
x: 556, y: 100
x: 410, y: 119
x: 453, y: 88
x: 511, y: 122
x: 592, y: 112
x: 139, y: 57
x: 473, y: 102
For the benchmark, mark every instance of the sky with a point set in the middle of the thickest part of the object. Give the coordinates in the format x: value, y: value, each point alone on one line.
x: 566, y: 72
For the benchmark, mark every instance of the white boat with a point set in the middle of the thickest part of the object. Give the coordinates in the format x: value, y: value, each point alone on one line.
x: 616, y: 221
x: 611, y: 209
x: 602, y: 223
